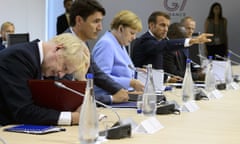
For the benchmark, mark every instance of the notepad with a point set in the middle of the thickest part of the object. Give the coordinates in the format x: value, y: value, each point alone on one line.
x: 34, y: 129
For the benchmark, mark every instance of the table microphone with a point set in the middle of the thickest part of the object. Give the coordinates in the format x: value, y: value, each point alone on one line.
x: 118, y: 130
x: 235, y: 54
x: 223, y: 58
x: 169, y: 74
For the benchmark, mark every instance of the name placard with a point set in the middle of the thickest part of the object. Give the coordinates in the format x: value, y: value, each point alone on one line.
x: 190, y: 106
x: 150, y: 126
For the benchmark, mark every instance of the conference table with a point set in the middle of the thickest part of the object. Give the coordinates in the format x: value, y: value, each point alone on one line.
x: 216, y: 122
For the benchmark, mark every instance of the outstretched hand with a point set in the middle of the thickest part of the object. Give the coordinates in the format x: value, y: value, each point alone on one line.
x: 203, y: 38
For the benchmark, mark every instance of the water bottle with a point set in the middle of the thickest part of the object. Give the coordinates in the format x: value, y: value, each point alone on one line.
x: 188, y: 85
x: 88, y: 124
x: 228, y: 73
x: 210, y: 81
x: 149, y: 95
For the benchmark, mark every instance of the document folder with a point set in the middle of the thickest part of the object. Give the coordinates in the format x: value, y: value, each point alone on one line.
x: 45, y: 93
x: 34, y: 129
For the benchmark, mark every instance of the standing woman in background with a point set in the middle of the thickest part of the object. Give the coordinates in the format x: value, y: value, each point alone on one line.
x: 217, y: 25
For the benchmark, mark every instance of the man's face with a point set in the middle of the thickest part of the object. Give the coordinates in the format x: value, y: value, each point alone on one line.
x: 160, y: 28
x: 55, y: 65
x: 190, y: 27
x: 8, y: 30
x: 90, y: 28
x: 68, y: 5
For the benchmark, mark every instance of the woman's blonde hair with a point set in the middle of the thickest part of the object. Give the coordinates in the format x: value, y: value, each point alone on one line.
x: 75, y: 51
x: 126, y: 18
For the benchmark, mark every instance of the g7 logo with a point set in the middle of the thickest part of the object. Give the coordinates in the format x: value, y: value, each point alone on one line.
x: 173, y: 5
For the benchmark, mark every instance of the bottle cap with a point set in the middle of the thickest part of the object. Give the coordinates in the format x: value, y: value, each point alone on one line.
x: 89, y: 76
x: 188, y: 60
x: 210, y: 57
x: 229, y: 54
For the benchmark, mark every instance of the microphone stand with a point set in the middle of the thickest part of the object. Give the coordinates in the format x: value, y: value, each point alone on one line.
x: 118, y: 130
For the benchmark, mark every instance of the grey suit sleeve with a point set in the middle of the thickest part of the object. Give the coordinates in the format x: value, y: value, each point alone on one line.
x: 102, y: 80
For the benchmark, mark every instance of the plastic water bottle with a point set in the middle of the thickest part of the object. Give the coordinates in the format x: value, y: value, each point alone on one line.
x: 88, y: 124
x: 228, y: 72
x: 188, y: 85
x: 149, y: 95
x: 210, y: 81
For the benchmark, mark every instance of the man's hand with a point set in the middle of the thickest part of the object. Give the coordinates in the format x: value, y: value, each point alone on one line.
x: 120, y: 96
x: 174, y: 79
x: 137, y: 85
x: 203, y: 38
x: 75, y: 116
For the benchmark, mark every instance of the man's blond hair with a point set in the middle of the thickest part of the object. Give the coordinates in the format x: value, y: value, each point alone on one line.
x: 75, y: 51
x: 5, y: 25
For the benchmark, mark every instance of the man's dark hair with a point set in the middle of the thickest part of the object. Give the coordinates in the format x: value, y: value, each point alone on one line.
x: 65, y: 1
x: 176, y: 31
x: 84, y: 8
x: 153, y: 17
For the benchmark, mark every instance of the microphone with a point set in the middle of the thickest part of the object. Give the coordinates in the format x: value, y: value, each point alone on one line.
x: 201, y: 56
x: 223, y: 58
x: 196, y: 64
x: 172, y: 75
x: 118, y: 130
x: 234, y: 54
x: 134, y: 69
x: 61, y: 85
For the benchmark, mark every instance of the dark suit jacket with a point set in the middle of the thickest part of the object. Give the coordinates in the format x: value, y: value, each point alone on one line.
x: 18, y: 64
x: 176, y: 64
x: 148, y: 50
x: 62, y: 23
x: 102, y: 80
x: 1, y: 45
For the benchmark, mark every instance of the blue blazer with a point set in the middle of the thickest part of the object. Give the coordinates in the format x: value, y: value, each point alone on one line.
x: 148, y: 50
x: 18, y: 64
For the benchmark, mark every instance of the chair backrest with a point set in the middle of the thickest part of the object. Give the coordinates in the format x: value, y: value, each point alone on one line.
x: 17, y: 38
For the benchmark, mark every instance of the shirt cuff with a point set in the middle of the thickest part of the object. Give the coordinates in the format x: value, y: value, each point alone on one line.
x: 65, y: 118
x: 111, y: 98
x: 186, y: 43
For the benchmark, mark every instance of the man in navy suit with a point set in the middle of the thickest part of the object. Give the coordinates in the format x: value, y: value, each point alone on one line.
x: 86, y: 22
x: 6, y: 28
x: 150, y: 47
x: 64, y: 54
x: 175, y: 61
x: 63, y: 21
